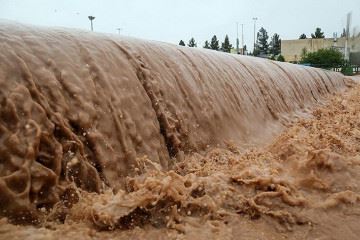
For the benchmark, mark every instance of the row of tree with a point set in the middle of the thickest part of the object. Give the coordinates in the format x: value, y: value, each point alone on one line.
x: 214, y: 44
x: 319, y: 34
x: 261, y: 47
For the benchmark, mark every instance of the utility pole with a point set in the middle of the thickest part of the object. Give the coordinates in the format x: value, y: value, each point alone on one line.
x: 119, y: 30
x: 242, y: 39
x: 91, y: 18
x: 348, y: 22
x: 237, y: 38
x: 255, y: 19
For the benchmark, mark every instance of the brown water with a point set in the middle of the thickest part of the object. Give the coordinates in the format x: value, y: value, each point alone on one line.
x: 164, y: 134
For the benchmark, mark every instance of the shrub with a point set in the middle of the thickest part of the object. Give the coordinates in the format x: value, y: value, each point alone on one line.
x: 324, y: 58
x: 281, y: 58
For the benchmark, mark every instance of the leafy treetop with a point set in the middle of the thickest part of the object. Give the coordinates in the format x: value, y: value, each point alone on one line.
x: 318, y: 34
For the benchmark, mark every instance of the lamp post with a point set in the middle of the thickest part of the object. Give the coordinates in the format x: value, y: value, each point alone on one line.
x: 91, y: 18
x: 255, y: 19
x: 119, y: 30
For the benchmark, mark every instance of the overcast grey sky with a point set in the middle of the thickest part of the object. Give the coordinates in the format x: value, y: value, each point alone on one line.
x: 170, y: 21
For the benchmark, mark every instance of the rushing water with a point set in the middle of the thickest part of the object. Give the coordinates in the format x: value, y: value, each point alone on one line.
x: 84, y: 107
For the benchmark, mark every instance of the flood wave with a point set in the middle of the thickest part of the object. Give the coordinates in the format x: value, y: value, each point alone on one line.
x: 83, y: 110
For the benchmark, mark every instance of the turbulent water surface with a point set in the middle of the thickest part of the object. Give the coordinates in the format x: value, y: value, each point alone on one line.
x: 136, y: 137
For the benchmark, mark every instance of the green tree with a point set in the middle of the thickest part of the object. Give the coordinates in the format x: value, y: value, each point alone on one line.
x: 262, y: 45
x: 318, y: 34
x: 303, y: 36
x: 207, y: 44
x: 181, y: 43
x: 256, y: 52
x: 275, y: 44
x: 324, y: 58
x: 226, y: 46
x: 192, y: 42
x: 214, y: 44
x: 280, y: 58
x: 244, y: 49
x: 343, y: 34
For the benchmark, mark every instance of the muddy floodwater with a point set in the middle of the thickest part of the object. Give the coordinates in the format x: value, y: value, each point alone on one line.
x: 108, y: 137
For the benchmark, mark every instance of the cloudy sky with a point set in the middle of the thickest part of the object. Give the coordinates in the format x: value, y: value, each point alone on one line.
x: 172, y: 20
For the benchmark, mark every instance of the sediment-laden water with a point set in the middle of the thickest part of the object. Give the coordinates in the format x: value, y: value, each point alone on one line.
x: 100, y: 132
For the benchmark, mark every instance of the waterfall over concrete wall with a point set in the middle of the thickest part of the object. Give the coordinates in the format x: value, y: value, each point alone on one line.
x: 82, y: 107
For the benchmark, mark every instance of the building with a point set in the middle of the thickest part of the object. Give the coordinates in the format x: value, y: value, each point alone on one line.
x: 292, y: 50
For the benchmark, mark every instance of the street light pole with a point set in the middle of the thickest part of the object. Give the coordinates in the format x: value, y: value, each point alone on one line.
x: 119, y: 29
x: 91, y: 18
x: 255, y: 19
